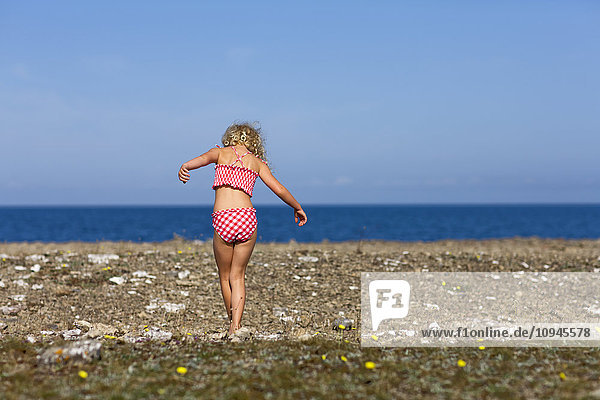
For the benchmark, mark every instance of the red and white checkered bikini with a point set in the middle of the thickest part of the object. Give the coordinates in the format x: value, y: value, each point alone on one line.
x: 235, y: 225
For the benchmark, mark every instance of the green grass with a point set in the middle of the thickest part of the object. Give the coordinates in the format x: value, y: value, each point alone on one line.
x: 293, y: 370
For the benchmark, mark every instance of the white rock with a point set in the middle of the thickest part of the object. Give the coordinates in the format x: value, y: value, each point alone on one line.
x: 82, y: 350
x: 36, y: 268
x: 71, y: 334
x: 31, y: 339
x: 353, y: 287
x: 172, y: 307
x: 434, y: 325
x: 10, y: 310
x: 20, y: 282
x: 119, y: 280
x: 183, y: 274
x: 37, y: 287
x: 102, y: 258
x: 18, y: 297
x: 308, y: 259
x: 157, y: 334
x: 37, y: 257
x: 143, y: 274
x: 593, y: 309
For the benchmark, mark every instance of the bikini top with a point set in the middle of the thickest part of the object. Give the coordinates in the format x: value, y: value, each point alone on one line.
x: 238, y: 177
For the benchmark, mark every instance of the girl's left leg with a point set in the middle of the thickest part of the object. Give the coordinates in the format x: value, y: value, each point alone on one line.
x: 241, y: 256
x: 223, y: 255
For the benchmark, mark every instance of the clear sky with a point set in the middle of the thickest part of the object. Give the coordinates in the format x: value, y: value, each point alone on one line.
x: 360, y: 102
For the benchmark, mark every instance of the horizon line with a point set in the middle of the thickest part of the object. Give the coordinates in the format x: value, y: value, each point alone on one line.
x: 80, y: 205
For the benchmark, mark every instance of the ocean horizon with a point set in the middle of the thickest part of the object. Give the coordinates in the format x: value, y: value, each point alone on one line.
x: 330, y: 222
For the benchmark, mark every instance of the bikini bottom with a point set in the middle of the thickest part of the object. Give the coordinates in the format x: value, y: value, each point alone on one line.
x: 235, y: 225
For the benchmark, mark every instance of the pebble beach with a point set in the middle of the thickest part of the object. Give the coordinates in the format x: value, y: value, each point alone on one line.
x: 138, y: 291
x: 145, y: 320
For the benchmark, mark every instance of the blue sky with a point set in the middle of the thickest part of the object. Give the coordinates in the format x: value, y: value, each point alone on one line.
x: 394, y: 102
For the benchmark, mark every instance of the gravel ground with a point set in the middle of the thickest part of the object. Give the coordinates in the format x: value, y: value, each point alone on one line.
x: 140, y: 291
x: 156, y: 311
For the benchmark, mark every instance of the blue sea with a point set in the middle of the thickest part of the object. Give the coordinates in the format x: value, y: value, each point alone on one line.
x: 276, y: 224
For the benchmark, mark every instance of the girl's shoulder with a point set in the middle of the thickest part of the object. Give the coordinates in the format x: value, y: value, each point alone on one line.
x: 259, y: 159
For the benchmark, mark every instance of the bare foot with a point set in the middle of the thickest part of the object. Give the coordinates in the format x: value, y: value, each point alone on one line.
x: 240, y: 334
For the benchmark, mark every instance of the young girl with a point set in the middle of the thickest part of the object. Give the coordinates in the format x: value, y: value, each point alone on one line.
x: 234, y: 218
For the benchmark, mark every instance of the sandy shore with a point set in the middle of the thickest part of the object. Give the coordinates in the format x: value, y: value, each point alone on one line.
x: 138, y: 291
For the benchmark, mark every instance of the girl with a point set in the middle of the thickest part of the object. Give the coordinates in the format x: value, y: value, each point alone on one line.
x: 234, y: 218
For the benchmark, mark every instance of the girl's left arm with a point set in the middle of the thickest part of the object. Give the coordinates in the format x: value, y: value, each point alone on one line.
x: 211, y: 156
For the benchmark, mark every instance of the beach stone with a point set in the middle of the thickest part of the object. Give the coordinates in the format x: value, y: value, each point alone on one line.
x: 99, y: 329
x: 3, y: 326
x: 218, y: 336
x: 102, y: 258
x: 595, y: 394
x: 154, y: 333
x: 11, y: 310
x: 308, y: 259
x: 300, y: 334
x: 280, y: 311
x: 119, y: 280
x: 347, y: 323
x: 304, y: 337
x: 71, y: 334
x: 80, y: 323
x: 83, y: 350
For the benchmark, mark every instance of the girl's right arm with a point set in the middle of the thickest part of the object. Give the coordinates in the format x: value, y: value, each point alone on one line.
x: 211, y: 156
x: 284, y: 194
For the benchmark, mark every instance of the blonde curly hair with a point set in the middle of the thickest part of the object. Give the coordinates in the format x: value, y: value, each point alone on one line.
x: 247, y: 134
